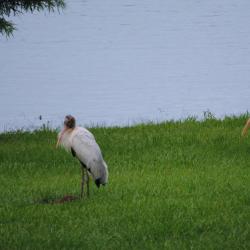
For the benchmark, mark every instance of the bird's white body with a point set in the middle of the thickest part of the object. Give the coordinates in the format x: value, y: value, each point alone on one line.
x: 83, y: 144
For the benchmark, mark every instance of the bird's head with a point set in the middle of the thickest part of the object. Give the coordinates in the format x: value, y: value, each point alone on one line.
x: 69, y: 121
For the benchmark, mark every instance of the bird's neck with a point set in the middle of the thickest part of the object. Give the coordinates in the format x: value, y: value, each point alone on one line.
x: 65, y: 130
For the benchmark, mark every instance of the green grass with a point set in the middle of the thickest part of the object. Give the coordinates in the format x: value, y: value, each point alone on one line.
x: 174, y: 185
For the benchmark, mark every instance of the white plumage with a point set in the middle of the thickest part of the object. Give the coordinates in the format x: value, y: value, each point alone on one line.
x: 82, y: 144
x: 87, y: 151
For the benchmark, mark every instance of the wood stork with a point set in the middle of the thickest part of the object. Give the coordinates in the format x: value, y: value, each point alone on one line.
x: 82, y: 144
x: 246, y: 127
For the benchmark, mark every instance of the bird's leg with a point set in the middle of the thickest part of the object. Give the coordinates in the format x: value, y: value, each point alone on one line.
x: 82, y: 183
x: 87, y: 175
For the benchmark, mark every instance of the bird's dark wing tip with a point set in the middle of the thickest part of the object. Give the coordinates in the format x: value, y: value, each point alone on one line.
x: 98, y: 182
x: 73, y: 152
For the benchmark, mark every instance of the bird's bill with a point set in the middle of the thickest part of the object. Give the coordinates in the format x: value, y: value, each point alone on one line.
x: 245, y: 129
x: 60, y: 137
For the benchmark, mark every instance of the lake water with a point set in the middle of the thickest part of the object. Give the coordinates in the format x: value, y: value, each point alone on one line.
x: 117, y: 62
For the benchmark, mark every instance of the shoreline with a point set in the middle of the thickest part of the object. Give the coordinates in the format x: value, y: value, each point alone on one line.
x: 207, y: 116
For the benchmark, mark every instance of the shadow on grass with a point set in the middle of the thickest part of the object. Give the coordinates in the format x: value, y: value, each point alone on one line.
x: 56, y: 200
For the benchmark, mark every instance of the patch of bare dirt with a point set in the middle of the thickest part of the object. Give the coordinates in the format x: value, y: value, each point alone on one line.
x: 64, y: 199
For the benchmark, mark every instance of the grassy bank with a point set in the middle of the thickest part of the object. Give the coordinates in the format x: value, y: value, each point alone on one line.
x: 174, y: 185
